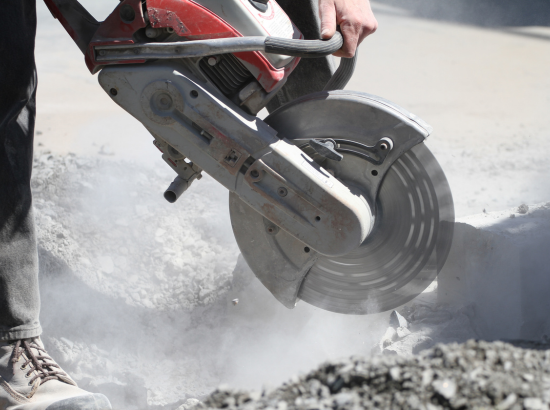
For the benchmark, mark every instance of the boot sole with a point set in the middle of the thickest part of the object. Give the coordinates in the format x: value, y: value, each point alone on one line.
x: 87, y: 402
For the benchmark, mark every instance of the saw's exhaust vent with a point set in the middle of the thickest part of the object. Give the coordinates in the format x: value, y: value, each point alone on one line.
x: 226, y: 72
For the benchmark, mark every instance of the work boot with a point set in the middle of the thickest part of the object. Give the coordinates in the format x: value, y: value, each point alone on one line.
x: 31, y: 380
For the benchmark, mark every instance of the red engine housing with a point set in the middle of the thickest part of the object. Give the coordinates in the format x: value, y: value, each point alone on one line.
x: 188, y: 19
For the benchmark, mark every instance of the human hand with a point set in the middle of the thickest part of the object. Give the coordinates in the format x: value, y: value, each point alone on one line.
x: 355, y: 19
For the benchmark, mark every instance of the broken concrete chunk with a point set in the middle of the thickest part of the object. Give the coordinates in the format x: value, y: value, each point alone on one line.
x: 189, y: 404
x: 508, y: 402
x: 534, y: 403
x: 343, y: 398
x: 389, y: 337
x: 427, y: 377
x: 395, y: 373
x: 397, y: 320
x: 282, y: 405
x: 412, y: 344
x: 402, y: 332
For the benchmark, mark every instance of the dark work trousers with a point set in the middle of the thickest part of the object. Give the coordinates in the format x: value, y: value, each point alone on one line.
x: 19, y: 296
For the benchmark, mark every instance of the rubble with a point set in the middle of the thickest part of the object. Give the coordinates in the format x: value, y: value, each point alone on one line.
x: 473, y: 375
x: 398, y: 321
x: 421, y: 323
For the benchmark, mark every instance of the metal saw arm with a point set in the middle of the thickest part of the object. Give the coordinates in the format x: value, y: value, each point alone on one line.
x: 244, y: 154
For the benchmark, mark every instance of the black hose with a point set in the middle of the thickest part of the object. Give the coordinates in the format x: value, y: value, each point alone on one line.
x: 304, y: 48
x: 341, y: 77
x: 316, y: 49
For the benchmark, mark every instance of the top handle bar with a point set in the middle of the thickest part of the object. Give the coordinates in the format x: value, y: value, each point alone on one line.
x: 82, y: 26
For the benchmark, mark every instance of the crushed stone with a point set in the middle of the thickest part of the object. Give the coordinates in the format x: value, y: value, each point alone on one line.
x: 472, y: 375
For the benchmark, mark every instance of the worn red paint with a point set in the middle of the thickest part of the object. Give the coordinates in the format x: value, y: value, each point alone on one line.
x: 194, y: 21
x: 115, y: 31
x: 188, y: 19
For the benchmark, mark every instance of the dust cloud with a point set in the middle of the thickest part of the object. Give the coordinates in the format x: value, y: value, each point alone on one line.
x: 137, y: 293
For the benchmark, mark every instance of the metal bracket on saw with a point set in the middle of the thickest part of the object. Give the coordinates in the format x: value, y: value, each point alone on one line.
x: 369, y: 128
x: 375, y: 154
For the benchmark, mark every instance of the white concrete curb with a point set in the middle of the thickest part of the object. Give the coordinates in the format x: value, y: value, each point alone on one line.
x: 499, y: 270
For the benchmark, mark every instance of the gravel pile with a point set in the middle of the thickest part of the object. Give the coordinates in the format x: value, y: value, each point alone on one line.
x: 473, y: 375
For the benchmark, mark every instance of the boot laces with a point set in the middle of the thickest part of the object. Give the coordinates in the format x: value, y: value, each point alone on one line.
x: 41, y: 362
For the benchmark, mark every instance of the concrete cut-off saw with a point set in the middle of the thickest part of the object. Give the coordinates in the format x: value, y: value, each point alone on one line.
x: 334, y: 197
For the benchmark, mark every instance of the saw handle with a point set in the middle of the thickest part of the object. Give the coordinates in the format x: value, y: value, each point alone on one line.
x: 316, y: 49
x: 341, y: 77
x: 304, y: 48
x: 81, y: 25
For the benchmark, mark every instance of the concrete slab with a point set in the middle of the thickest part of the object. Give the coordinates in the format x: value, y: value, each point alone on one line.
x: 498, y: 271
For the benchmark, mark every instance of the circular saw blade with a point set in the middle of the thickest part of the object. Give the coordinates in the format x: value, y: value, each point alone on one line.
x: 414, y: 212
x: 406, y: 249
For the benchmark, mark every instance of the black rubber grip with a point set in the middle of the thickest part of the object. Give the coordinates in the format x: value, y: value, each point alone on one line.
x: 344, y: 73
x: 304, y: 48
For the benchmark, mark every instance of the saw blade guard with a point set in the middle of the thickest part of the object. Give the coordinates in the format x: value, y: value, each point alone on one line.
x: 408, y: 192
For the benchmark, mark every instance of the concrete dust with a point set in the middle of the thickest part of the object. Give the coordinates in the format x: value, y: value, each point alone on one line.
x: 137, y: 294
x: 110, y: 221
